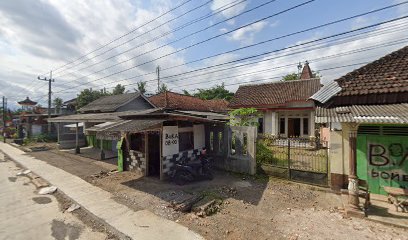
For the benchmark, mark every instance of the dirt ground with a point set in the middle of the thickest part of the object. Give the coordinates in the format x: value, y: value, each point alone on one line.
x: 252, y: 208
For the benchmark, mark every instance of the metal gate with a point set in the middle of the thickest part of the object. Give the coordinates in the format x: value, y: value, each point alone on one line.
x: 296, y: 159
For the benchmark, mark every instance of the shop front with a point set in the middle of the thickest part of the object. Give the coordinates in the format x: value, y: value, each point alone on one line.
x: 382, y: 157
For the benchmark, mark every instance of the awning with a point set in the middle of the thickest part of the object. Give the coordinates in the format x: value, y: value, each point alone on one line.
x: 101, y: 126
x: 101, y: 117
x: 74, y: 125
x: 391, y: 113
x: 113, y: 132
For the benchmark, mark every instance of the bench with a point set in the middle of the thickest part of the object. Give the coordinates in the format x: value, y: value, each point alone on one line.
x: 398, y: 197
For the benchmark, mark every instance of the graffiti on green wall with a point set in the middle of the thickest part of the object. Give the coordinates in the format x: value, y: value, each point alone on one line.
x: 383, y: 161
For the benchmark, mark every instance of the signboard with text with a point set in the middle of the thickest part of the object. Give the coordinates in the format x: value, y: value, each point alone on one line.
x: 383, y: 161
x: 170, y: 140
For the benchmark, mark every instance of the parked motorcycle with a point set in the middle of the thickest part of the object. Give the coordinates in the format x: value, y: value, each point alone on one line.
x: 188, y: 171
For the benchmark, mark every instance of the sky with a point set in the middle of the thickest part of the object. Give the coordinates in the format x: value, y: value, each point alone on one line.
x: 196, y: 43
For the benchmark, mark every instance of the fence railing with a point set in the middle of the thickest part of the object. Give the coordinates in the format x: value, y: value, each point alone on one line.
x: 291, y: 157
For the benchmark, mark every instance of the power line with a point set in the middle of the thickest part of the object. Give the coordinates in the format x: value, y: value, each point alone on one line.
x: 277, y: 50
x: 387, y: 44
x: 217, y: 11
x: 268, y: 59
x: 256, y: 44
x: 126, y: 34
x: 195, y: 44
x: 294, y: 64
x: 226, y: 20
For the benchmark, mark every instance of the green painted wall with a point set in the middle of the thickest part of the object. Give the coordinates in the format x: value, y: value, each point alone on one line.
x: 96, y: 143
x: 382, y: 161
x: 120, y: 155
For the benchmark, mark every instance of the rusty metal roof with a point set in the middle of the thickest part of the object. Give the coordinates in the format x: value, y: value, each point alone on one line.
x: 391, y: 113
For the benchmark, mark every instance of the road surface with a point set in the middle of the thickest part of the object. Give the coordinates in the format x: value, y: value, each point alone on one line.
x: 27, y: 215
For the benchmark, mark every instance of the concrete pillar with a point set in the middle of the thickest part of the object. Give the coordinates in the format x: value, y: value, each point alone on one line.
x: 58, y: 132
x: 353, y: 200
x: 77, y: 149
x: 312, y: 124
x: 275, y: 124
x: 268, y: 122
x: 102, y: 152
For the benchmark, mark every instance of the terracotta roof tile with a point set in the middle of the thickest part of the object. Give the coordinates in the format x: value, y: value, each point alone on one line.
x: 275, y: 93
x: 176, y: 101
x: 388, y: 74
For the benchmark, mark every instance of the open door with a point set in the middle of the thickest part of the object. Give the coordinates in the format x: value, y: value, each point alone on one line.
x: 154, y: 154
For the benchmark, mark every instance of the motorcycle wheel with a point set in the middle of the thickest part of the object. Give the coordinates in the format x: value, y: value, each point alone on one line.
x: 182, y: 177
x: 210, y: 176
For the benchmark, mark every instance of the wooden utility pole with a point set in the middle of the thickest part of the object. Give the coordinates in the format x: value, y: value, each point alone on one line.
x: 49, y: 97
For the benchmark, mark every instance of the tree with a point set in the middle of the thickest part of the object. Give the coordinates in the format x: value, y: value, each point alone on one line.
x: 88, y: 95
x: 163, y: 88
x: 185, y: 92
x: 290, y: 76
x: 119, y: 89
x: 295, y: 76
x: 216, y: 92
x: 141, y: 87
x: 244, y: 117
x: 57, y: 104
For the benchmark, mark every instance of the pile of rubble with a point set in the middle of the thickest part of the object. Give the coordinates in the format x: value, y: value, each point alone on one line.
x: 201, y: 205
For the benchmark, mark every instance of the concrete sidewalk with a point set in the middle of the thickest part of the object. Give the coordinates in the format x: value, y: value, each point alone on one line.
x: 137, y: 225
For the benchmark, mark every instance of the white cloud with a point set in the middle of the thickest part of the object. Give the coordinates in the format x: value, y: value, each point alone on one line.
x: 246, y: 35
x: 42, y: 35
x: 230, y: 11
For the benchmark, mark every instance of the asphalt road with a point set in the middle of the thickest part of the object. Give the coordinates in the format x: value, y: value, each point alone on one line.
x: 27, y: 215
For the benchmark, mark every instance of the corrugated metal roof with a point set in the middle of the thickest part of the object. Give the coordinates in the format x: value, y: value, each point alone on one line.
x: 114, y: 132
x: 326, y: 92
x: 101, y: 117
x: 209, y: 115
x: 109, y: 103
x: 102, y: 126
x: 392, y: 113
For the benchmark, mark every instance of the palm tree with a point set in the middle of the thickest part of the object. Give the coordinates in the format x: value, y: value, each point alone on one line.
x: 57, y: 104
x: 141, y: 87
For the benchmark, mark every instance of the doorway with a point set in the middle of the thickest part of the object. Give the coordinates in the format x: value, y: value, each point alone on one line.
x: 293, y: 127
x: 154, y: 153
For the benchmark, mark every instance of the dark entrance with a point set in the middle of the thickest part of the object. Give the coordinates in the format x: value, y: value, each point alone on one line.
x: 154, y: 154
x: 293, y: 127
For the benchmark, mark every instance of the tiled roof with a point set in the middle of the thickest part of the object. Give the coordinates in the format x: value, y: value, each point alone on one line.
x: 109, y: 103
x: 176, y: 101
x: 391, y: 113
x: 277, y: 93
x: 388, y: 74
x: 306, y: 72
x: 27, y: 101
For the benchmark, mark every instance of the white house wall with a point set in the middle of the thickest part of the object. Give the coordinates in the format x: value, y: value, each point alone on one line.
x: 339, y: 152
x: 199, y: 136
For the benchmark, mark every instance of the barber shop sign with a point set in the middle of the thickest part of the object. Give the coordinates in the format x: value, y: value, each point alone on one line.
x: 383, y: 161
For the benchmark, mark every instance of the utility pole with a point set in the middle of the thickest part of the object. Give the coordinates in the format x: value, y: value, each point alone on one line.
x: 4, y: 118
x: 49, y: 97
x: 158, y: 78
